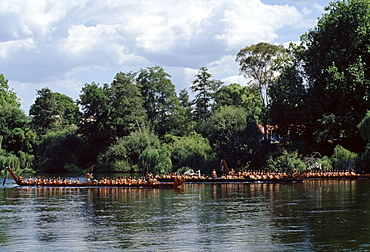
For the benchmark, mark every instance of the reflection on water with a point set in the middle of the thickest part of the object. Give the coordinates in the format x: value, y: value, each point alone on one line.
x: 314, y: 215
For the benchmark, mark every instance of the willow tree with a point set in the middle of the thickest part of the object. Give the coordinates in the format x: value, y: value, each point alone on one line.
x: 16, y: 138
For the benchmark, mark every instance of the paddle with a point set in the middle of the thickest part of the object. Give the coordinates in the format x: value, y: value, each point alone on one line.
x: 6, y: 171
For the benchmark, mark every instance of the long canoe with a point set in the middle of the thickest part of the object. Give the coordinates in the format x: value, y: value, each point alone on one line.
x: 173, y: 184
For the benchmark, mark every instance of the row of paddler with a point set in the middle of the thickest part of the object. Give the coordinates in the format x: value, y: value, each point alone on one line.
x: 261, y: 175
x: 90, y: 180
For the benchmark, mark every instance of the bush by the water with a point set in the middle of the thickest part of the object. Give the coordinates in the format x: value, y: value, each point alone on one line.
x: 343, y: 159
x: 286, y: 161
x: 326, y: 163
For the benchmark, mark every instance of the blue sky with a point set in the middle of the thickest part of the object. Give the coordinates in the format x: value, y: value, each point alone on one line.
x: 64, y: 44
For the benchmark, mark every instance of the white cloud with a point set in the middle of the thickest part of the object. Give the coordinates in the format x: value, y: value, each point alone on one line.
x: 235, y: 79
x: 252, y: 22
x: 319, y: 7
x: 61, y: 43
x: 8, y: 47
x: 83, y: 40
x: 306, y: 11
x: 33, y: 17
x: 98, y: 45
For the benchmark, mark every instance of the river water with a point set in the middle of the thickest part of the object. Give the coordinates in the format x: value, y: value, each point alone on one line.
x: 316, y: 215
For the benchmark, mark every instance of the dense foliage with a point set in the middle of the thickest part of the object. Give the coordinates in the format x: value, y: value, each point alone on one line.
x: 310, y: 97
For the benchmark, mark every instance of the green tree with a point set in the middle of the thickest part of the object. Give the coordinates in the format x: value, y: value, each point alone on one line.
x: 110, y: 112
x: 59, y: 151
x: 287, y: 107
x: 53, y: 111
x: 364, y: 127
x: 164, y: 164
x: 344, y: 159
x: 204, y: 88
x: 44, y: 111
x: 95, y: 104
x: 192, y: 151
x: 185, y: 122
x: 336, y: 57
x: 16, y: 138
x: 260, y: 63
x: 184, y: 99
x: 239, y: 96
x: 21, y: 163
x: 126, y: 104
x: 69, y: 111
x: 160, y: 101
x: 7, y: 95
x: 123, y: 155
x: 157, y: 160
x: 14, y: 129
x: 285, y: 162
x: 234, y: 136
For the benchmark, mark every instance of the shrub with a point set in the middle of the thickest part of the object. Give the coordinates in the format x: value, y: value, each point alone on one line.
x: 286, y: 162
x: 158, y: 160
x: 124, y: 154
x: 21, y: 164
x: 192, y: 151
x: 343, y: 159
x: 326, y: 163
x: 72, y: 168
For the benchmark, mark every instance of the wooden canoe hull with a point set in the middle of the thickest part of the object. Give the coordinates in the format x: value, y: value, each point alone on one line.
x: 159, y: 185
x: 173, y: 184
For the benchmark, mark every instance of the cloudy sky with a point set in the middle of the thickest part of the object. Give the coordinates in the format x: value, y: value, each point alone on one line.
x: 64, y: 44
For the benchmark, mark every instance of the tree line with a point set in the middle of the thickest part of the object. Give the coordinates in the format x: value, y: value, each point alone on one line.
x: 312, y: 97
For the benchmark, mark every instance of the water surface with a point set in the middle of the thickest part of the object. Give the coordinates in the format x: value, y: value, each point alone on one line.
x: 317, y: 215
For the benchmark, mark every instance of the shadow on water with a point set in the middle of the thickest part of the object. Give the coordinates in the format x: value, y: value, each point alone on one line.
x: 314, y: 215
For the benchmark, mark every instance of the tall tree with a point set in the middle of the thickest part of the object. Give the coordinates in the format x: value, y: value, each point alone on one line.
x: 246, y: 97
x: 205, y: 88
x: 14, y: 130
x: 69, y: 111
x: 182, y: 123
x: 110, y: 112
x: 95, y: 104
x: 160, y: 101
x: 53, y: 111
x: 259, y: 62
x: 44, y: 111
x: 7, y: 95
x: 336, y: 59
x: 127, y: 104
x: 184, y: 99
x: 234, y: 135
x: 287, y: 108
x: 16, y: 137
